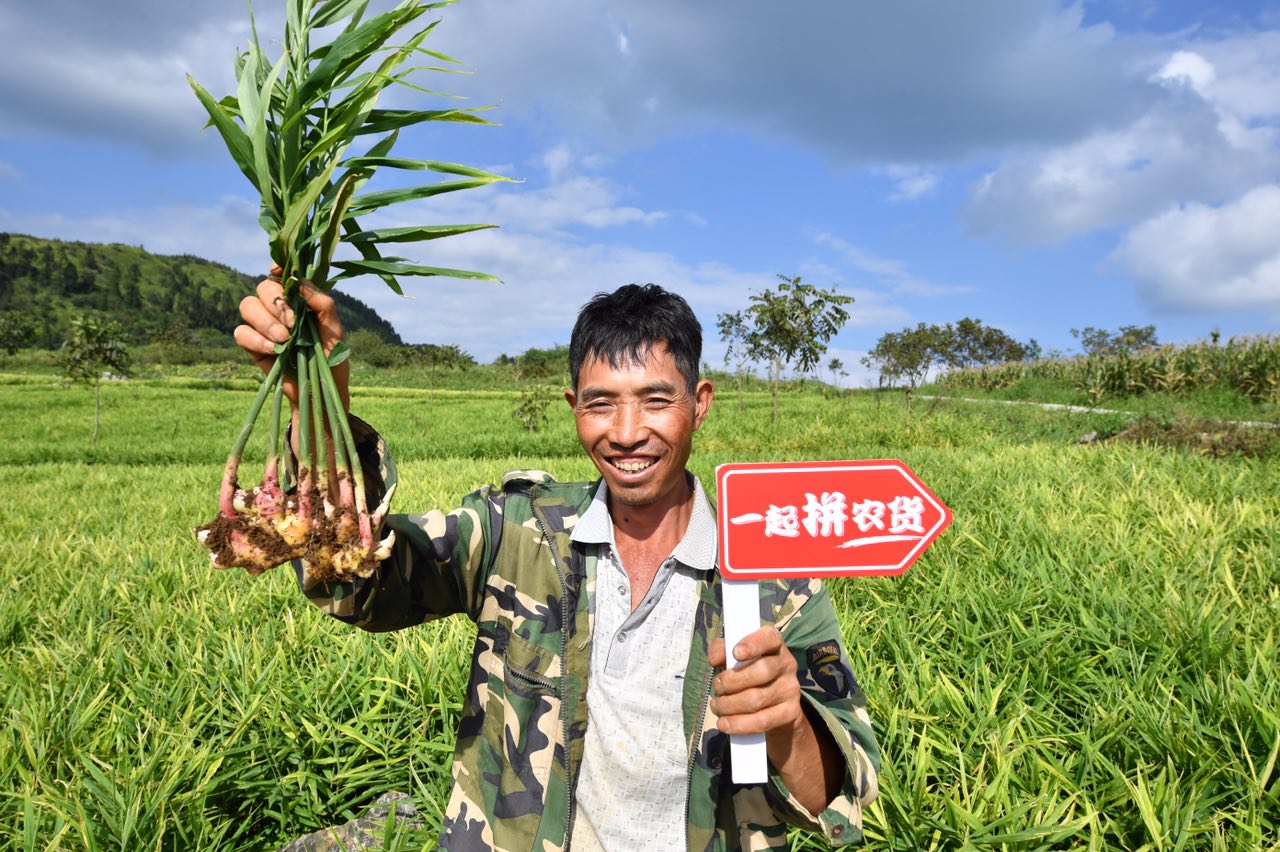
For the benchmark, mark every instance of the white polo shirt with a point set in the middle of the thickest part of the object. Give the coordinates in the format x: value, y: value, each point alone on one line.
x: 633, y: 784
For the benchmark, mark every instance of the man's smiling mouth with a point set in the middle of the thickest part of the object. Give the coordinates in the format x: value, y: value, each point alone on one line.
x: 631, y: 466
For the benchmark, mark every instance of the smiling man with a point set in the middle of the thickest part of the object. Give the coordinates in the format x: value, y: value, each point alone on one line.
x: 599, y: 703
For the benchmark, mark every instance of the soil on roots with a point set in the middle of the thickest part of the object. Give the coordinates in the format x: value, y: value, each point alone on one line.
x: 332, y: 545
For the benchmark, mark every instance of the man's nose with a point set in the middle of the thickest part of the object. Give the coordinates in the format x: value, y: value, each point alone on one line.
x: 629, y: 427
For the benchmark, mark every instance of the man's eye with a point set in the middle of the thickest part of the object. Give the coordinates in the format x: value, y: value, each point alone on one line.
x: 657, y: 402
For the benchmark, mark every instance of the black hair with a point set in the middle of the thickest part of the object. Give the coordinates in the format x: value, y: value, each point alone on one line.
x: 619, y: 327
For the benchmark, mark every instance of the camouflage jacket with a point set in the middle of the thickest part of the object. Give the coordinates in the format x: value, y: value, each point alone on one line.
x: 505, y: 560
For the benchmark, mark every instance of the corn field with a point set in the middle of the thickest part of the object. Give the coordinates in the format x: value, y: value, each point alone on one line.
x: 1250, y: 366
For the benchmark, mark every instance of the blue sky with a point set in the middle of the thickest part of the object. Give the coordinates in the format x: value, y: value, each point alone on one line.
x: 1039, y: 165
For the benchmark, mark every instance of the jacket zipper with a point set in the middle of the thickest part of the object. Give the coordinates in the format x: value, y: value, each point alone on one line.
x: 697, y: 738
x: 543, y: 527
x: 536, y: 679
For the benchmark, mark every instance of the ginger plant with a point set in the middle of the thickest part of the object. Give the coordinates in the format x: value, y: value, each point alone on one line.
x: 292, y: 128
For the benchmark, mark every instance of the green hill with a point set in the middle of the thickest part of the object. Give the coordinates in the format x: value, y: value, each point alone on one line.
x: 50, y: 281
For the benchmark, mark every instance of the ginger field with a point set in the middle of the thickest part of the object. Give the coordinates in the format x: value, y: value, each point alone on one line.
x: 1086, y: 659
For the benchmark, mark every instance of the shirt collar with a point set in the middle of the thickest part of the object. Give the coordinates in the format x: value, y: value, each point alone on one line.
x: 697, y: 549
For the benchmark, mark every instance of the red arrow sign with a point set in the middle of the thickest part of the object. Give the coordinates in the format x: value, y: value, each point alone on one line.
x: 823, y: 519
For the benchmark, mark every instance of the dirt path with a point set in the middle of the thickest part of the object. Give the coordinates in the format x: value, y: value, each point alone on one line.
x: 1082, y: 409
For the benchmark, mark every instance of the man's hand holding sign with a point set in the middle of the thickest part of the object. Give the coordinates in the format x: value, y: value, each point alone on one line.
x: 803, y: 519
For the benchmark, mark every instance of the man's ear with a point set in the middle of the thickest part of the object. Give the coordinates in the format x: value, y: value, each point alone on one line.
x: 703, y: 394
x: 571, y: 397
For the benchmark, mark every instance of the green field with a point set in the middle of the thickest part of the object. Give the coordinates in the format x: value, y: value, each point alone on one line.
x: 1087, y: 658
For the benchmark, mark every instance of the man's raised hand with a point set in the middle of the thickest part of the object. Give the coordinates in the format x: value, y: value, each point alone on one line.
x: 268, y: 320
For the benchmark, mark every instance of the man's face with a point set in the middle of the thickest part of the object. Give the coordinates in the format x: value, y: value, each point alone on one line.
x: 636, y: 422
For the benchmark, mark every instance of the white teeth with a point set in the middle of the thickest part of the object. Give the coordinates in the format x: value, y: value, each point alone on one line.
x: 632, y: 467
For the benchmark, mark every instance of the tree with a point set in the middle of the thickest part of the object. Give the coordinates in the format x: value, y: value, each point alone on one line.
x: 431, y: 358
x: 906, y: 355
x: 969, y: 343
x: 544, y: 363
x: 531, y: 407
x: 94, y: 346
x: 368, y: 347
x: 734, y: 332
x: 836, y: 366
x: 911, y: 353
x: 16, y: 331
x: 177, y: 342
x: 1129, y: 338
x: 791, y: 327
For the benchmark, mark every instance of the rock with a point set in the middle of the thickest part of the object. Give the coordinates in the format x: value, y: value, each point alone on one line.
x: 360, y: 834
x: 1091, y: 438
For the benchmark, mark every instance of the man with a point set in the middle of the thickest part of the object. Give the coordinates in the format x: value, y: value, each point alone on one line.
x: 599, y: 702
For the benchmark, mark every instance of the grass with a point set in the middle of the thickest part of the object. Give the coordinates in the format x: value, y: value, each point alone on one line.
x: 1086, y: 658
x: 1215, y: 402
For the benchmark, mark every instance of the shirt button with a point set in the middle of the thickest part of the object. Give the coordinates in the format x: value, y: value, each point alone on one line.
x: 716, y: 764
x: 837, y: 830
x: 622, y: 637
x: 622, y: 590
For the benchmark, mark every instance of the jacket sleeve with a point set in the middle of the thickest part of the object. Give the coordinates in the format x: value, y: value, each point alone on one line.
x: 833, y: 697
x: 437, y: 567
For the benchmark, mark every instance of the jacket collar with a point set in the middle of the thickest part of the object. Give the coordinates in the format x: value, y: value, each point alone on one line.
x: 697, y: 548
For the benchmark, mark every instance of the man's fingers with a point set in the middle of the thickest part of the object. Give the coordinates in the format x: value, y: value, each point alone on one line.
x: 756, y: 723
x: 766, y: 640
x: 756, y: 673
x: 256, y: 345
x: 271, y: 294
x: 715, y: 653
x: 748, y: 701
x: 266, y: 321
x: 757, y: 710
x: 252, y: 341
x: 323, y: 306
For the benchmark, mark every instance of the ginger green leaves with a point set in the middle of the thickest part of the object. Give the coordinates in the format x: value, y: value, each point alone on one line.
x: 294, y: 119
x: 307, y: 130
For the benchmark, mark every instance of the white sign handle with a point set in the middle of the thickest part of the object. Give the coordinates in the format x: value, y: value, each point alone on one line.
x: 742, y: 618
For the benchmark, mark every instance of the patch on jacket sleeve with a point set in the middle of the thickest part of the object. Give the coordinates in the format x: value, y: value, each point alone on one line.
x: 829, y: 670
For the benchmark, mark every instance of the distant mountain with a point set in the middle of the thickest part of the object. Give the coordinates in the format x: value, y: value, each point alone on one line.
x: 51, y: 281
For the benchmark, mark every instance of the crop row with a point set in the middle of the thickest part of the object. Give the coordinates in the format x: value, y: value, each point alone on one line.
x: 1249, y: 366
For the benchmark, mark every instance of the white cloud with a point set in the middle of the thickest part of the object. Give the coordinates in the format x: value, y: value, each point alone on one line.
x: 547, y: 279
x: 1207, y: 135
x: 568, y: 198
x: 862, y: 82
x: 890, y: 274
x: 1189, y: 67
x: 9, y: 171
x: 94, y: 83
x: 1246, y: 78
x: 910, y: 182
x: 1195, y: 257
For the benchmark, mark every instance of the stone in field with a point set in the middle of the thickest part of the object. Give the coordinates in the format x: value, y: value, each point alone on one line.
x: 361, y: 834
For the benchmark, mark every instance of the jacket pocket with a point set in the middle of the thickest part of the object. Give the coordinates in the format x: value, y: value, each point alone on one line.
x: 522, y: 716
